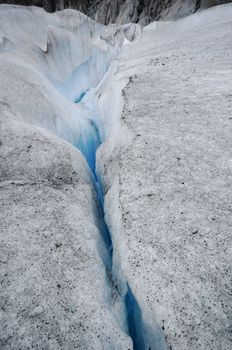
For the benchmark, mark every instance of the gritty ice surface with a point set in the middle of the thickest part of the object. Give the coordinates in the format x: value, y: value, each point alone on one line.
x: 174, y: 177
x: 165, y: 168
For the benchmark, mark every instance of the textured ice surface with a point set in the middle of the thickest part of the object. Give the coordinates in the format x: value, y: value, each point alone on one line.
x: 174, y: 177
x: 164, y: 168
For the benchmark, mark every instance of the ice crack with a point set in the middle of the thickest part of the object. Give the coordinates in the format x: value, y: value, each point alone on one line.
x: 133, y: 314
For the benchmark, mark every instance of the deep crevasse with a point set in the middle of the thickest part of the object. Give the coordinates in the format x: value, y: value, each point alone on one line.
x: 133, y: 315
x: 92, y: 136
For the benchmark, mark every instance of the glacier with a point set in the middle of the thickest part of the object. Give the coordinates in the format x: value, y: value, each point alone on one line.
x: 56, y: 87
x: 107, y: 148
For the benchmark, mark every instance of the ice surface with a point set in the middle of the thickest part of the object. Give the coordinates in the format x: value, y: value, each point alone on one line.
x: 173, y: 177
x: 95, y: 239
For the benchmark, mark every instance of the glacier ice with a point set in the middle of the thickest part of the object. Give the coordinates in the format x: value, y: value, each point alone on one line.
x: 80, y: 244
x: 53, y: 71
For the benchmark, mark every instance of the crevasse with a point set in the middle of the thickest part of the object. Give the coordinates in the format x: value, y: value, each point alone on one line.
x: 90, y: 74
x: 133, y: 313
x: 72, y: 69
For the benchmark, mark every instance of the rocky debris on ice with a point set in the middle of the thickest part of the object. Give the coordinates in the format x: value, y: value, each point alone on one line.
x: 125, y: 11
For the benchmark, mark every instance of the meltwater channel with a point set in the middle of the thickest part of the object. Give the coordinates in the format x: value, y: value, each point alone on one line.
x: 133, y: 313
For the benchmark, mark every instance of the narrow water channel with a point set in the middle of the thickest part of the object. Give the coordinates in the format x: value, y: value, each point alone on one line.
x: 134, y: 324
